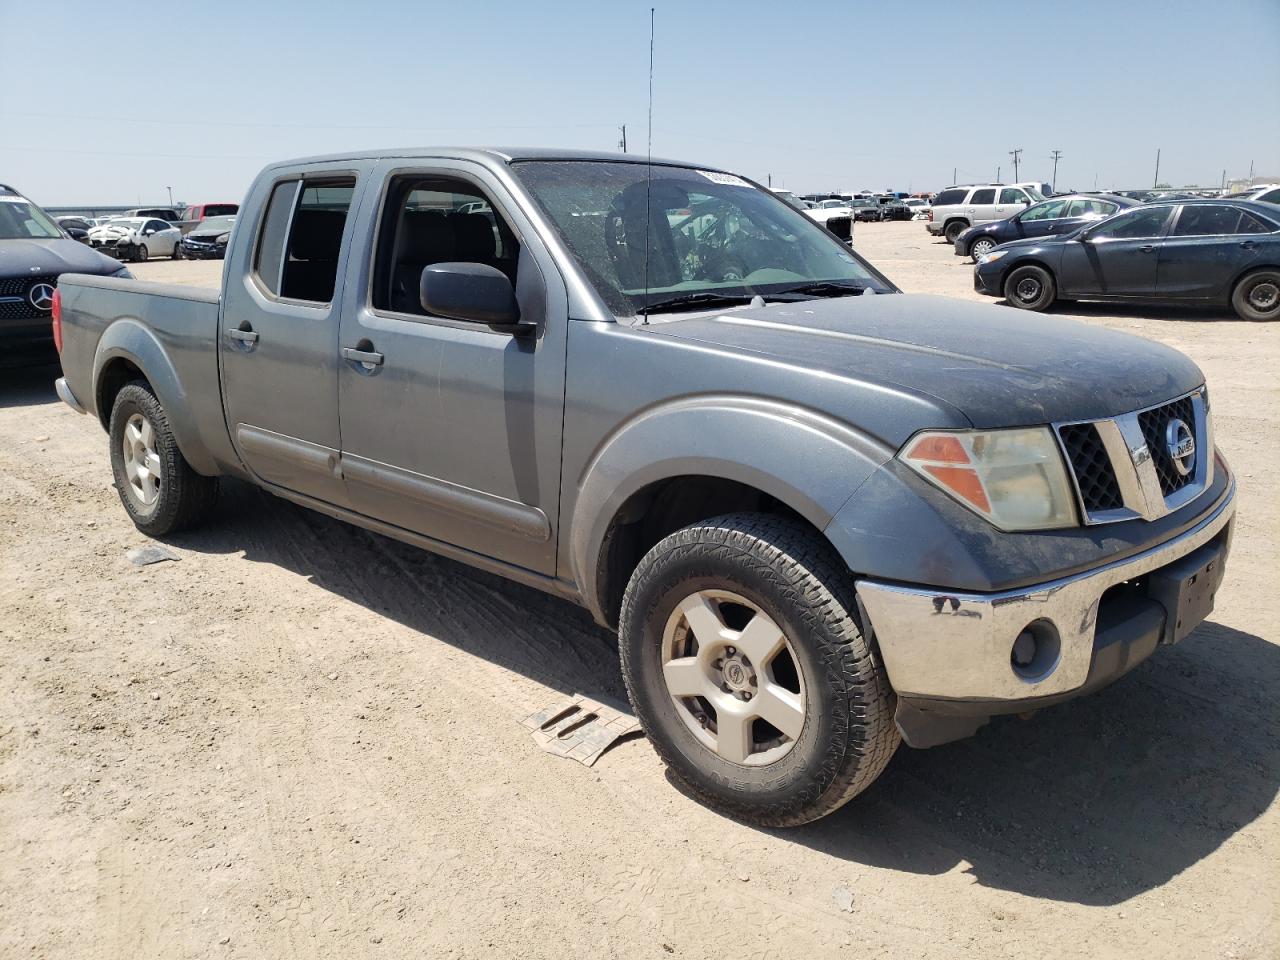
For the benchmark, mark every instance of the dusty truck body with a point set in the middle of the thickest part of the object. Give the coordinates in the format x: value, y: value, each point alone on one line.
x: 823, y: 516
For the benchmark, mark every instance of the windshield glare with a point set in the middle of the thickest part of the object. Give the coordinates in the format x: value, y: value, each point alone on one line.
x: 21, y: 220
x: 708, y: 233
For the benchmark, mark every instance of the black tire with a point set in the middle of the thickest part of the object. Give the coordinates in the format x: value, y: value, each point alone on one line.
x: 786, y: 571
x: 184, y: 497
x: 954, y: 229
x: 1030, y: 288
x: 980, y: 246
x: 177, y: 251
x: 141, y: 253
x: 1257, y: 296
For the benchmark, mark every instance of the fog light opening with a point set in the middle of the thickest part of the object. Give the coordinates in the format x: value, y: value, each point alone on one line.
x: 1035, y: 651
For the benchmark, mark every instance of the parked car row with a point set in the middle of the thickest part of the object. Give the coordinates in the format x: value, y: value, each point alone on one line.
x: 1203, y: 252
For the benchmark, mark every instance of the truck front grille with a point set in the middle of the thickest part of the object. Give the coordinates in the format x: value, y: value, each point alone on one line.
x: 842, y: 227
x: 1155, y: 425
x: 1095, y: 476
x: 1148, y: 483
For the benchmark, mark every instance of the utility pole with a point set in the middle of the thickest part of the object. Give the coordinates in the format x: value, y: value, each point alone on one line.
x: 770, y: 178
x: 1251, y: 173
x: 622, y: 144
x: 1223, y: 188
x: 998, y: 169
x: 1057, y: 155
x: 1157, y: 179
x: 953, y: 175
x: 1015, y: 153
x: 170, y: 189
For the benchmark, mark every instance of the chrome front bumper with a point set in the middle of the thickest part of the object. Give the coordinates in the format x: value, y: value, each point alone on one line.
x: 957, y: 646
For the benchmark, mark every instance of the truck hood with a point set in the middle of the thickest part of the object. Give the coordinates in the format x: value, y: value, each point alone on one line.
x: 998, y: 366
x: 20, y: 258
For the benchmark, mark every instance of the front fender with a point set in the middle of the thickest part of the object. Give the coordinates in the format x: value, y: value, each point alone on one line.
x: 805, y: 459
x: 129, y: 339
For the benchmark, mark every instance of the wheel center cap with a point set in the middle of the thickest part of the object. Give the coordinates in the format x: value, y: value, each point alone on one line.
x: 739, y: 676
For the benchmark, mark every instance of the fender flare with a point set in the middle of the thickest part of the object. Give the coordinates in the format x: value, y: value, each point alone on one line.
x: 805, y: 459
x: 129, y: 339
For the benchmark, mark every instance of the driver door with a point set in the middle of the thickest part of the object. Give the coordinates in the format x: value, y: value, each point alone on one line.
x: 1120, y: 258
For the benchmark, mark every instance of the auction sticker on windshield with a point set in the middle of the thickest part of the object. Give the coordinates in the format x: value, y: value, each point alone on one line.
x: 728, y: 179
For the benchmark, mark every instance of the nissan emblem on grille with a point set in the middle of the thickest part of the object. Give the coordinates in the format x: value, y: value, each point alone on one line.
x: 41, y: 297
x: 1181, y: 445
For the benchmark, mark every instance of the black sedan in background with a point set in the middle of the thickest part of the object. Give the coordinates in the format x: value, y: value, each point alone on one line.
x: 208, y: 241
x: 1206, y: 252
x: 1059, y: 215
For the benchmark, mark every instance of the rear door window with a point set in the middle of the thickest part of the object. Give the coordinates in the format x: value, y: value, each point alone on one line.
x: 983, y: 196
x: 1207, y: 221
x: 297, y: 256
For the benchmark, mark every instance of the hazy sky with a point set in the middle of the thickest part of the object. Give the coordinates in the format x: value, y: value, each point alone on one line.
x: 110, y: 102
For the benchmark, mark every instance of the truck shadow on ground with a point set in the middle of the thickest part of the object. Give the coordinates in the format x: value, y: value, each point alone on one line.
x: 1091, y: 802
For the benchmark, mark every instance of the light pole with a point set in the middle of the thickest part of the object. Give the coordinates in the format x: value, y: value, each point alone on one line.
x: 1056, y: 155
x: 170, y: 189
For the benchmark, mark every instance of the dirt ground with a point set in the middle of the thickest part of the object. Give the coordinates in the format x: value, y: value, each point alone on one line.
x: 303, y: 740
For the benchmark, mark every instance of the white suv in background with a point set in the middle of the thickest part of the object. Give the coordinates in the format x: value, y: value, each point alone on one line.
x: 958, y: 208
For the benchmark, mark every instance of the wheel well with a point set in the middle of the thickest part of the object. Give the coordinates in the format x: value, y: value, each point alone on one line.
x: 1249, y: 271
x: 950, y: 220
x: 114, y: 375
x: 660, y: 509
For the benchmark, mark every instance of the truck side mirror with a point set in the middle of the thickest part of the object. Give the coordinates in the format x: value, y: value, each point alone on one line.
x: 475, y: 292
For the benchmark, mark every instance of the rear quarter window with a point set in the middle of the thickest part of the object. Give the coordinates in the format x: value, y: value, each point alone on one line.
x: 947, y: 197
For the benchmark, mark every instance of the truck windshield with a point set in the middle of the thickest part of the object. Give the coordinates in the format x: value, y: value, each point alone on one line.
x: 709, y: 233
x: 20, y: 220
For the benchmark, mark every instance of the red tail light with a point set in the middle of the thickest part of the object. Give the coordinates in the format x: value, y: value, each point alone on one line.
x: 931, y: 216
x: 57, y: 319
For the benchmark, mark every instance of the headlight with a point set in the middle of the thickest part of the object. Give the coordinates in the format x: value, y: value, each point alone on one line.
x: 992, y: 256
x: 1014, y: 478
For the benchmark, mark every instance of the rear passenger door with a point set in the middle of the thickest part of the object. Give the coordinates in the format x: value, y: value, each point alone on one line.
x: 1208, y: 247
x: 451, y: 429
x: 981, y: 206
x: 278, y: 341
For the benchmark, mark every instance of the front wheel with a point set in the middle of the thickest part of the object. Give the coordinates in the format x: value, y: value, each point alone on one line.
x: 750, y: 673
x: 177, y: 251
x: 141, y: 253
x: 981, y: 247
x: 1030, y: 288
x: 159, y: 490
x: 1257, y: 296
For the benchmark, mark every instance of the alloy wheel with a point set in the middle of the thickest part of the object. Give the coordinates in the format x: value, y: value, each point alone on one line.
x: 733, y: 677
x: 141, y: 460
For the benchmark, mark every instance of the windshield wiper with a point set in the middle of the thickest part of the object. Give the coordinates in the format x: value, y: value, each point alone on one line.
x: 692, y: 301
x: 824, y: 288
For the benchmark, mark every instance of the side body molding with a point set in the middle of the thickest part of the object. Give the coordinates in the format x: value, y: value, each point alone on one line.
x: 198, y: 437
x: 807, y: 460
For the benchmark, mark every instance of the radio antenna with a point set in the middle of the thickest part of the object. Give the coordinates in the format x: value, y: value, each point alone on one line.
x: 648, y: 175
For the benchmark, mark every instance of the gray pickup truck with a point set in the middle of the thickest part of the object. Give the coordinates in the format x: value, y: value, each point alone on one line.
x: 823, y: 516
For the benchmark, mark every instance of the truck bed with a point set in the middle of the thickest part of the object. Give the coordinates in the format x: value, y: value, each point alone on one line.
x: 111, y: 327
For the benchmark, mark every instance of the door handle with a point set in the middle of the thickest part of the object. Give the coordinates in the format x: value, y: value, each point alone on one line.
x: 366, y: 357
x: 1146, y: 248
x: 1248, y: 244
x: 244, y: 336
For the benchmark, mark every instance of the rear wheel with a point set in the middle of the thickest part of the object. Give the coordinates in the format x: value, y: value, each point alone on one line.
x: 1030, y: 288
x: 749, y: 672
x: 1257, y: 296
x: 159, y: 490
x: 981, y: 247
x: 954, y: 229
